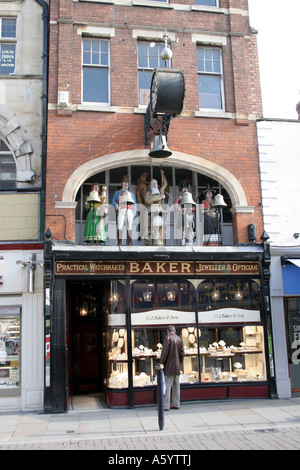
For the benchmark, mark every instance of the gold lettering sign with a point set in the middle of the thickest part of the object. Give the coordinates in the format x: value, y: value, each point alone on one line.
x: 227, y: 267
x: 159, y: 267
x: 89, y: 267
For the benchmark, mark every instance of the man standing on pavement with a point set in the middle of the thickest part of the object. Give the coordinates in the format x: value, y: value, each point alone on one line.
x: 171, y: 358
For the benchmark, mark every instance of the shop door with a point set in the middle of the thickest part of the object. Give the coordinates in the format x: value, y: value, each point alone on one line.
x: 292, y: 315
x: 85, y: 339
x: 87, y: 366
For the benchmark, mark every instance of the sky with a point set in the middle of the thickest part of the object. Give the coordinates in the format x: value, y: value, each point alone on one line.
x: 277, y: 23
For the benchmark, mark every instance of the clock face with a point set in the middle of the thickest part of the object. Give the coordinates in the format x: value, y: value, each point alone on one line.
x: 154, y: 88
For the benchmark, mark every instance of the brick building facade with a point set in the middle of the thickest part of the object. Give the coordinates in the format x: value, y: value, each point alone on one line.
x: 102, y: 55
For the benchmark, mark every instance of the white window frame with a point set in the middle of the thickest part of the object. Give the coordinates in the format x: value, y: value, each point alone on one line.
x: 98, y: 66
x: 213, y: 74
x: 7, y: 41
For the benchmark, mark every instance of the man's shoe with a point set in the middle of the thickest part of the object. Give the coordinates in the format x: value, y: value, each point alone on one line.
x: 167, y: 409
x: 174, y: 407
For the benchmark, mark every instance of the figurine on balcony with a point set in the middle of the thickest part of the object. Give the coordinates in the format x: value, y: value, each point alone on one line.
x: 185, y: 209
x: 94, y: 230
x: 210, y: 217
x: 153, y: 200
x: 125, y: 204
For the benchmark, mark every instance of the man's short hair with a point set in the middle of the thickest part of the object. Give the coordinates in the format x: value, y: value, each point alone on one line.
x: 171, y: 329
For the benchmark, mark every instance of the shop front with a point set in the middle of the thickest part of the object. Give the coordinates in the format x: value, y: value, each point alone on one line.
x: 110, y: 311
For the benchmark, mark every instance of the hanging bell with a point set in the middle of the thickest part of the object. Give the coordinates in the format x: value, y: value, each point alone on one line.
x: 219, y: 202
x: 160, y: 148
x: 94, y: 197
x: 187, y: 199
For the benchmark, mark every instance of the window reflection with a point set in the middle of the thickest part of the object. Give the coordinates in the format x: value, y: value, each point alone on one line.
x: 178, y: 295
x: 234, y: 293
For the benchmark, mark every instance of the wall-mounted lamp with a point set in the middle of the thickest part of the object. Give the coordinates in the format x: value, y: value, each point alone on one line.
x: 30, y: 265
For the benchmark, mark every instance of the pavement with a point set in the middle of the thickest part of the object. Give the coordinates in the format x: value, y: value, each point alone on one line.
x: 249, y: 424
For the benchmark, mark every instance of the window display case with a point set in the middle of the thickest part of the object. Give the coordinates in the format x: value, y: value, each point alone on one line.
x: 9, y: 347
x: 219, y: 323
x: 240, y: 359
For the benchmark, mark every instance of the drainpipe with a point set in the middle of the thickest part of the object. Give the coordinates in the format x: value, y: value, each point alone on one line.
x: 44, y: 97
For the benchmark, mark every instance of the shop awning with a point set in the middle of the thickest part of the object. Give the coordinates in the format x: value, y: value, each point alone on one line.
x: 294, y: 261
x: 291, y: 277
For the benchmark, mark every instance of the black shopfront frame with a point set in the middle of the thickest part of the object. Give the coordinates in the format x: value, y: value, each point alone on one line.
x: 56, y: 397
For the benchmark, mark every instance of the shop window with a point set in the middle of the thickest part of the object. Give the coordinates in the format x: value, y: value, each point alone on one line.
x: 222, y: 334
x: 95, y: 70
x: 292, y: 317
x: 210, y: 78
x: 148, y: 60
x: 178, y: 228
x: 9, y: 347
x: 7, y: 168
x: 8, y: 29
x: 216, y: 295
x: 232, y: 354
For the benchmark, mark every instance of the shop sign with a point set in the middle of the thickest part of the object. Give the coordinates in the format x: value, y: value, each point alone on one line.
x: 160, y: 267
x: 10, y: 311
x: 229, y: 315
x: 227, y: 267
x: 162, y: 317
x: 89, y: 267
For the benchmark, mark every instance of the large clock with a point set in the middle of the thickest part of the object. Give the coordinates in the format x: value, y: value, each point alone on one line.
x: 167, y: 91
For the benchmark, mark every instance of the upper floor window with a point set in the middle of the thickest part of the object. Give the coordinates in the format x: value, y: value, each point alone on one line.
x: 207, y: 3
x: 95, y: 70
x: 7, y: 168
x: 210, y: 78
x: 148, y: 60
x: 8, y: 28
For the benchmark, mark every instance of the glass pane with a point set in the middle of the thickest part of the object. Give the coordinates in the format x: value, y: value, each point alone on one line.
x: 208, y: 53
x: 201, y: 66
x: 10, y: 348
x: 104, y: 46
x: 144, y: 86
x: 7, y: 172
x: 209, y: 92
x: 8, y: 28
x: 208, y: 66
x: 86, y: 58
x: 95, y: 85
x: 87, y: 45
x: 95, y: 58
x: 208, y: 3
x: 96, y: 46
x: 104, y: 58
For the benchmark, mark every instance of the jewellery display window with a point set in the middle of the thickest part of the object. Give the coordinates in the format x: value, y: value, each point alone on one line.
x: 232, y: 354
x: 9, y: 347
x: 219, y: 322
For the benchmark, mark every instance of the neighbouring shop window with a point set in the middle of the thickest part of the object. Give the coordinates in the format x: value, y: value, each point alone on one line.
x: 8, y: 28
x: 148, y: 60
x: 210, y: 78
x: 7, y: 168
x: 292, y: 317
x: 95, y: 70
x: 9, y: 347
